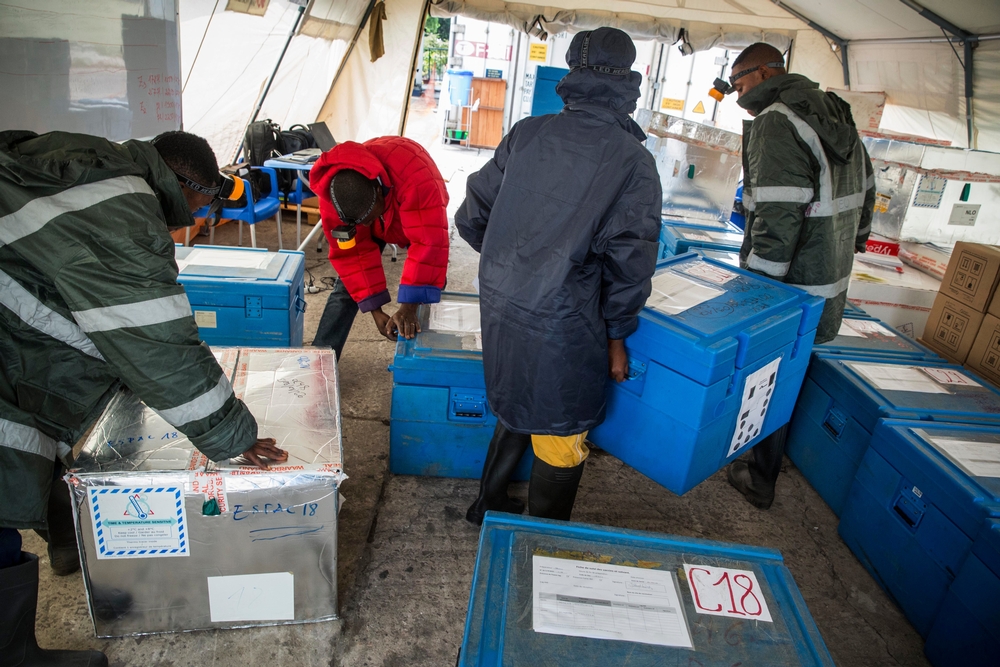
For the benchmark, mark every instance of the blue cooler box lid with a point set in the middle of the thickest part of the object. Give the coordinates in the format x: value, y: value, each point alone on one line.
x: 871, y: 388
x: 956, y: 464
x: 729, y: 258
x: 862, y: 334
x: 697, y: 223
x: 557, y: 593
x: 208, y: 273
x: 672, y: 234
x: 704, y: 319
x: 450, y: 338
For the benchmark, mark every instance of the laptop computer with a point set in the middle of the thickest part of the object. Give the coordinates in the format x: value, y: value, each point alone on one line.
x: 324, y: 138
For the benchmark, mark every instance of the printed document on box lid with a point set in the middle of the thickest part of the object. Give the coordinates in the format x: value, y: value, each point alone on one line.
x: 584, y: 599
x: 890, y: 377
x: 673, y: 294
x: 979, y: 459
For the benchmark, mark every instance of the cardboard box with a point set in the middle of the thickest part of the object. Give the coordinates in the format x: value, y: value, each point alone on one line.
x: 902, y: 300
x: 984, y: 357
x: 994, y: 307
x: 951, y: 329
x: 972, y: 274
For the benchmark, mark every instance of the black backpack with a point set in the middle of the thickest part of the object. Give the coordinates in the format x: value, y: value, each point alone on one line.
x: 262, y: 142
x: 297, y: 138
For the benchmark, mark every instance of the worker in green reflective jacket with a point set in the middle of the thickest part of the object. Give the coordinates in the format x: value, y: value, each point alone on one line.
x: 89, y: 299
x: 809, y: 191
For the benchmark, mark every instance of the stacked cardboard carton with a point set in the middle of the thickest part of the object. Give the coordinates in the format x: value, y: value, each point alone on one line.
x: 964, y: 324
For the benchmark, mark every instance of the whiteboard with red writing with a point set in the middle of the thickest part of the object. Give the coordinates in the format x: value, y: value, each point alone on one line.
x: 105, y: 67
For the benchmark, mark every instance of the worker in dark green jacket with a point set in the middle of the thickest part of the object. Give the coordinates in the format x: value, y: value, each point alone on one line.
x: 809, y: 189
x: 89, y: 299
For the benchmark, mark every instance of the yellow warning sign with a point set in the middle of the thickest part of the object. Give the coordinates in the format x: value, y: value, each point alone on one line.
x: 698, y: 108
x: 672, y: 103
x: 539, y: 52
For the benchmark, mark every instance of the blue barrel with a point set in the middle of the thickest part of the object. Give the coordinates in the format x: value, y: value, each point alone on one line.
x: 459, y: 87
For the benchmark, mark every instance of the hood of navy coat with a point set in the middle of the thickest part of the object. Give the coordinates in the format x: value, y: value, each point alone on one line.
x: 585, y: 87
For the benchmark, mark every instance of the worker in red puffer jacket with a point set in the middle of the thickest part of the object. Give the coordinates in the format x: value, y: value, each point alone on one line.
x: 386, y: 190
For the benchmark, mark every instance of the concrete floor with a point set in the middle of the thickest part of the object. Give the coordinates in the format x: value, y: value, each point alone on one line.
x: 406, y: 554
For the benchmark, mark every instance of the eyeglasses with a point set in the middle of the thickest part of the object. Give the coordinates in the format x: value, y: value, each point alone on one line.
x: 739, y: 75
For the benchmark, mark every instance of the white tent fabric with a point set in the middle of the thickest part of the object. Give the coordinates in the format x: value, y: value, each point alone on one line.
x: 237, y: 54
x: 369, y: 99
x: 923, y: 82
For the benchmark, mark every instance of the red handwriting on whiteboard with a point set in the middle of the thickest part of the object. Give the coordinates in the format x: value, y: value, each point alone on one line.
x: 723, y: 591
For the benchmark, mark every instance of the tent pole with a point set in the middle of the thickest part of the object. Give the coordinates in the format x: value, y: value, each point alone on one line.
x: 968, y: 41
x: 260, y: 102
x: 840, y: 41
x: 413, y: 66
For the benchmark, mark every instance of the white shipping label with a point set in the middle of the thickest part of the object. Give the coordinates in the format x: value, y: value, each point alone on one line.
x: 205, y: 319
x: 964, y: 215
x: 950, y: 376
x: 721, y: 591
x: 234, y: 259
x: 979, y: 459
x: 584, y: 599
x: 673, y: 293
x: 898, y: 378
x: 454, y: 316
x: 138, y: 522
x: 758, y: 388
x: 847, y: 330
x: 252, y: 597
x: 867, y: 327
x: 709, y: 272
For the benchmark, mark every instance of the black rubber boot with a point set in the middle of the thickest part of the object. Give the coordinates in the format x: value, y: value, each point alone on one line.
x: 552, y: 490
x: 64, y: 558
x: 506, y: 450
x: 18, y: 648
x: 756, y: 474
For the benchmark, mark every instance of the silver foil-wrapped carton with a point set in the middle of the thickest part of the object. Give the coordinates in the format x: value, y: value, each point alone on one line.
x: 171, y: 541
x: 699, y: 165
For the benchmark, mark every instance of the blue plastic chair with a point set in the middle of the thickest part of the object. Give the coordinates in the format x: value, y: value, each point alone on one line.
x: 255, y: 211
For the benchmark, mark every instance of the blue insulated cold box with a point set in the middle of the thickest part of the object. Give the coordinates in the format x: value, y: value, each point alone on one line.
x: 967, y: 629
x: 557, y: 593
x: 714, y: 367
x: 864, y: 335
x: 844, y: 396
x: 678, y: 239
x: 441, y: 423
x: 244, y: 296
x: 921, y: 495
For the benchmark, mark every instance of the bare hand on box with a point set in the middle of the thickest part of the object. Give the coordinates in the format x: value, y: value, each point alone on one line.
x: 265, y: 448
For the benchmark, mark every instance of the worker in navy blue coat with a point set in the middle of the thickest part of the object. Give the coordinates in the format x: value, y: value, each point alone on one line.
x: 566, y: 217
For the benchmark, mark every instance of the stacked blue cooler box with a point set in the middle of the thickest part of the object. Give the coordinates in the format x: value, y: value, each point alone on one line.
x: 920, y: 497
x: 441, y: 423
x: 852, y: 309
x: 690, y: 601
x: 679, y: 238
x: 867, y: 336
x: 714, y: 367
x: 845, y: 395
x: 244, y: 296
x: 682, y: 223
x: 967, y: 629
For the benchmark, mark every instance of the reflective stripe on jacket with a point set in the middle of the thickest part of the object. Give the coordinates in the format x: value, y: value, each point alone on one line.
x: 809, y: 190
x: 89, y: 296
